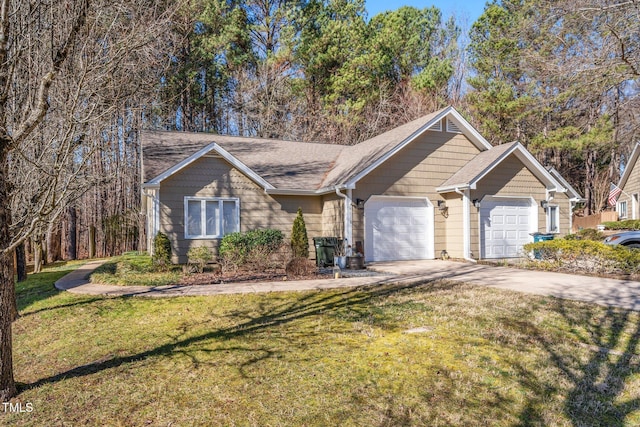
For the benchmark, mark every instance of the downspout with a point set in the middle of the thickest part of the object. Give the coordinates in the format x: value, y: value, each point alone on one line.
x: 466, y: 225
x: 348, y: 214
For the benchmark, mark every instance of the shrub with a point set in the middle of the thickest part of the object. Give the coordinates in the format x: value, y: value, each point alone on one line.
x: 199, y: 257
x: 162, y: 252
x: 586, y: 234
x: 585, y: 256
x: 300, y: 266
x: 629, y: 224
x: 254, y: 247
x: 299, y: 239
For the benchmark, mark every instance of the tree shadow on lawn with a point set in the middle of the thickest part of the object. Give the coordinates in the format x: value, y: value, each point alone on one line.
x: 309, y: 304
x: 40, y: 286
x: 597, y: 383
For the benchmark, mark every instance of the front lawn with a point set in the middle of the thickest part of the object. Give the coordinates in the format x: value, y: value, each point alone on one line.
x: 430, y: 354
x: 134, y: 269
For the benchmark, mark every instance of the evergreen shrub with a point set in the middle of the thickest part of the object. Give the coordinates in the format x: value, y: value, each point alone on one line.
x: 299, y: 238
x: 162, y: 252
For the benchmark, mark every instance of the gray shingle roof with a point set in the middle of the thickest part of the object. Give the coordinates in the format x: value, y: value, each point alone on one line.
x: 354, y: 159
x: 283, y: 164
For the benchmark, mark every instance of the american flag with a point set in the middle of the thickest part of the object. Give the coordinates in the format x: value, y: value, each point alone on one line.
x: 614, y: 192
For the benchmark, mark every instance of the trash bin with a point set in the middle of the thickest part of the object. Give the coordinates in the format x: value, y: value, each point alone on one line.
x: 540, y: 237
x: 325, y: 250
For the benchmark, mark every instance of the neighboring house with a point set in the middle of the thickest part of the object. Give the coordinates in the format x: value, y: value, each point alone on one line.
x: 432, y: 185
x: 628, y: 204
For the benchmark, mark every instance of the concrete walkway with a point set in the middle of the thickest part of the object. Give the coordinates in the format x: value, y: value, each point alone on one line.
x: 77, y: 282
x: 609, y: 292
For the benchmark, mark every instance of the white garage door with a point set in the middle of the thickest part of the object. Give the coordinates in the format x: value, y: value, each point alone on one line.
x: 398, y: 228
x: 505, y: 226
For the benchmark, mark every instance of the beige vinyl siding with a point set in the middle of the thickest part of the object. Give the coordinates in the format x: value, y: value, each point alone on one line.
x: 358, y: 226
x: 417, y: 171
x: 563, y: 202
x: 454, y: 242
x: 332, y: 216
x: 631, y: 187
x: 474, y: 229
x: 512, y: 178
x: 214, y: 177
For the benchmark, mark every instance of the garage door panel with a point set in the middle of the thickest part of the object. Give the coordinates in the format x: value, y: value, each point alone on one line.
x: 397, y: 229
x: 504, y: 227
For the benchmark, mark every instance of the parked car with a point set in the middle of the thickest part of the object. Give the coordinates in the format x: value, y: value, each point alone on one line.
x: 630, y: 239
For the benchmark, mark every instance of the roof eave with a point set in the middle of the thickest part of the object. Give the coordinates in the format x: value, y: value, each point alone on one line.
x: 235, y: 162
x: 534, y: 165
x: 468, y: 130
x: 473, y: 134
x: 573, y: 193
x: 181, y: 165
x: 450, y: 188
x: 304, y: 192
x: 630, y: 165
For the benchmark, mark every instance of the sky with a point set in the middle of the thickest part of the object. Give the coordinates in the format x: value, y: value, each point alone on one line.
x: 470, y: 9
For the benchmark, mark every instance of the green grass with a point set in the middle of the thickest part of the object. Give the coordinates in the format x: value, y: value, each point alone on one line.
x: 134, y: 269
x: 481, y: 357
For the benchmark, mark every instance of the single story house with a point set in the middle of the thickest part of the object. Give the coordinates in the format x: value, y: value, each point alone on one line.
x: 628, y: 203
x: 426, y: 187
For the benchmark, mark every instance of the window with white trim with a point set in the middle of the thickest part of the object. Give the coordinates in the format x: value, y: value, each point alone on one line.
x: 210, y: 217
x: 622, y: 209
x: 553, y: 219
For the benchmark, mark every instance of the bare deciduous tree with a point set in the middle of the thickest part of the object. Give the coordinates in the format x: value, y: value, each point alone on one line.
x: 67, y: 70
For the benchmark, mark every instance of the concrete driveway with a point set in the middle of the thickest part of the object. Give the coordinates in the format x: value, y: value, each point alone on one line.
x: 610, y: 292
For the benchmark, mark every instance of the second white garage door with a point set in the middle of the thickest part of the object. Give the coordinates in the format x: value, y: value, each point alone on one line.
x: 505, y: 227
x: 398, y: 228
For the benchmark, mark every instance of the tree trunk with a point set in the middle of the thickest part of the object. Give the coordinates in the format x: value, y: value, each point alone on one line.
x: 21, y: 263
x: 8, y: 309
x: 590, y: 172
x: 72, y: 232
x: 7, y: 316
x: 37, y: 254
x: 54, y: 238
x: 92, y: 241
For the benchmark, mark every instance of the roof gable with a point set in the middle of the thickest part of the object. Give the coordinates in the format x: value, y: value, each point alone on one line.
x: 630, y: 165
x: 469, y: 175
x: 359, y: 160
